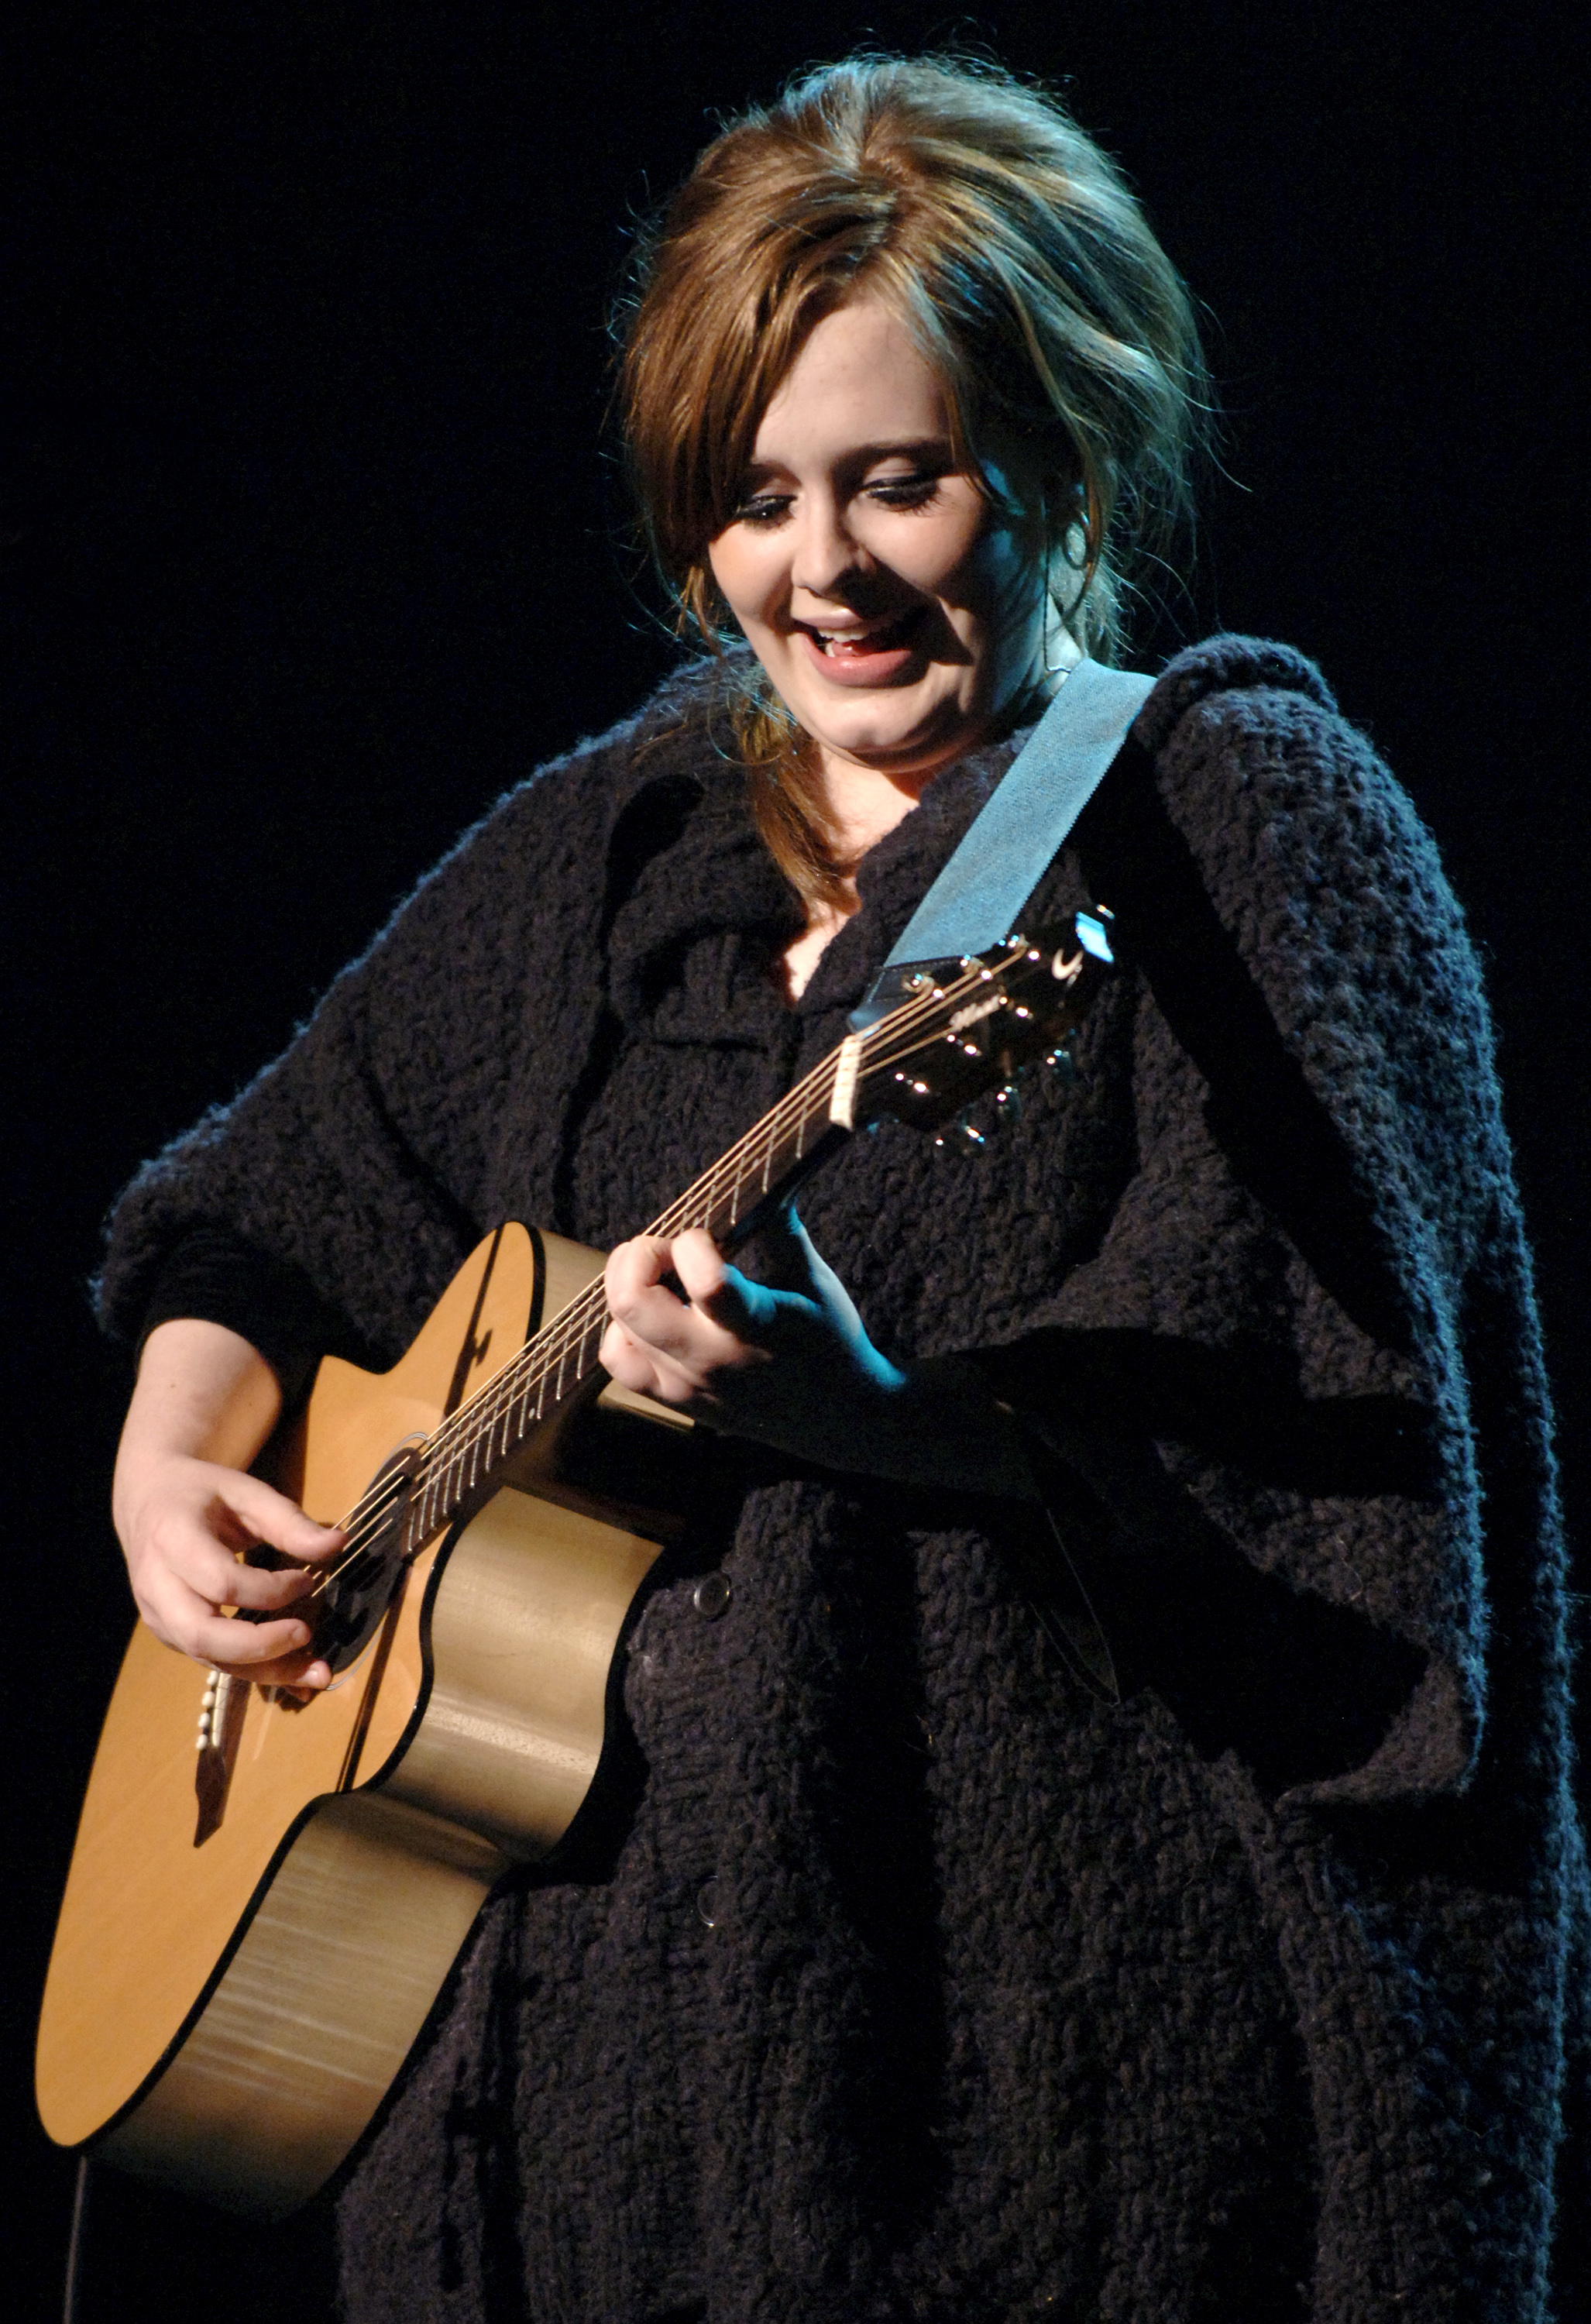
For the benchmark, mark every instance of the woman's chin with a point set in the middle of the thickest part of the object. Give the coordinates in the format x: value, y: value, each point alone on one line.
x: 896, y: 749
x: 903, y: 708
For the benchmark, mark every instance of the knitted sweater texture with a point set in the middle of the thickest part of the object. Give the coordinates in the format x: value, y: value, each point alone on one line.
x: 908, y: 1975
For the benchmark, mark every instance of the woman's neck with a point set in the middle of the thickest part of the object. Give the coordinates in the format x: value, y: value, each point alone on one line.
x: 863, y: 806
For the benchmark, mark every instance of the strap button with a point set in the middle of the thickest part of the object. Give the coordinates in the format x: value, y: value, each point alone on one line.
x: 711, y: 1595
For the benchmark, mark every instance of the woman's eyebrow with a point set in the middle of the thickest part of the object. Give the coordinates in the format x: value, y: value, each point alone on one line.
x: 913, y: 448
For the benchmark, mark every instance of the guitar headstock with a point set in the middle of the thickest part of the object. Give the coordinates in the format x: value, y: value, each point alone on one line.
x: 964, y: 1028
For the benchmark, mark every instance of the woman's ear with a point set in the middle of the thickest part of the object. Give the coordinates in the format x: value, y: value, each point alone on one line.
x: 1066, y: 548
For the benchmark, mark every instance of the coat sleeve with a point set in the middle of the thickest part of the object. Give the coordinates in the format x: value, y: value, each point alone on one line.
x: 1299, y: 1382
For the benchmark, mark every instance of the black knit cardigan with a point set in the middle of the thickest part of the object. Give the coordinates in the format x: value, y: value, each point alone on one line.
x: 910, y: 1976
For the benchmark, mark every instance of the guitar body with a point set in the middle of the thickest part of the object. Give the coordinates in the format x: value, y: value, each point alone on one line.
x: 247, y: 1953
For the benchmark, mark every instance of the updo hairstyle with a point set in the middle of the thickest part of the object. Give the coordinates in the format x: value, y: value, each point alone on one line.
x: 1010, y: 247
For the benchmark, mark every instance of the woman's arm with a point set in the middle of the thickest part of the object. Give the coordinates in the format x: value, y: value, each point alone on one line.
x: 792, y: 1366
x: 184, y: 1505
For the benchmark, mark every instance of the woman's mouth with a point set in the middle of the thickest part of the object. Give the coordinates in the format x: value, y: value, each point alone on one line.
x: 867, y: 653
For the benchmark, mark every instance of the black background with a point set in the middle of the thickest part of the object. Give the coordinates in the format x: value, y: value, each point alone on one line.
x: 309, y: 549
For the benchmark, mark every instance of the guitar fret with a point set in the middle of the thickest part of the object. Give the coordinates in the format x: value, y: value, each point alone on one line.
x: 807, y: 1115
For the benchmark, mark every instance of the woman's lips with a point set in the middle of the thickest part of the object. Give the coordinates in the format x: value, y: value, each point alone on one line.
x: 873, y: 658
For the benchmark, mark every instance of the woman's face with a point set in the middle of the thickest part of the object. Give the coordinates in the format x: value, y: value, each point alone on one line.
x: 895, y: 609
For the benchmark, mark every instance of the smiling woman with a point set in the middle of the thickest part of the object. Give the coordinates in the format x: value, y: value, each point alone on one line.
x: 1034, y: 340
x: 920, y: 1968
x: 896, y: 603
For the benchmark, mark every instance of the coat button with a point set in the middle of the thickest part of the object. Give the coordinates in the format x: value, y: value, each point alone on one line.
x: 711, y: 1595
x: 707, y: 1903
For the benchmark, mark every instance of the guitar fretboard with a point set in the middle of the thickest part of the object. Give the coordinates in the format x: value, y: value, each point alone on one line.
x: 467, y: 1452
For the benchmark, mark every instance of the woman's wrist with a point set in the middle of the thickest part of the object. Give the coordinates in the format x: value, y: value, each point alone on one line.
x: 937, y: 1424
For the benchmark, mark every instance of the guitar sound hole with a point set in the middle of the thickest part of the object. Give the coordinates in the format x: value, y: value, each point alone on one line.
x: 365, y: 1575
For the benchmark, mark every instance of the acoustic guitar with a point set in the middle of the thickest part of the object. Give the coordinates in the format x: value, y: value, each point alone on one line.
x: 265, y: 1897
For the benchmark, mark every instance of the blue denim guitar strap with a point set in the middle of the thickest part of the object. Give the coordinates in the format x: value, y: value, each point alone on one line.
x: 978, y: 896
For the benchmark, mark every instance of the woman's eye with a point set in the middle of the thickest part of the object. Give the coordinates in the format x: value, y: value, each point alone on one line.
x: 904, y: 491
x: 762, y: 509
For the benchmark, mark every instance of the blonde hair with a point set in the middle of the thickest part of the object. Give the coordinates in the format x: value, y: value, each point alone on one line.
x: 1012, y: 249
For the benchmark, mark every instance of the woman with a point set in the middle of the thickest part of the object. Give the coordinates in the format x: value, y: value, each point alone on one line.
x: 921, y: 1979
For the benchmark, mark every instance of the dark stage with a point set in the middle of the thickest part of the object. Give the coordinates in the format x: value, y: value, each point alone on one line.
x: 313, y: 541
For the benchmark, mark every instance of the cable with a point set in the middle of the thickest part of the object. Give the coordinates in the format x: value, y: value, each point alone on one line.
x: 71, y: 2311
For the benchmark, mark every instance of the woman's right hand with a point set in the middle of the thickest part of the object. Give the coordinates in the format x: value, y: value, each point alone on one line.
x: 185, y: 1508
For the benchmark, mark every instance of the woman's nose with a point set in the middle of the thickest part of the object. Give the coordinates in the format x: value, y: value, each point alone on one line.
x: 824, y: 550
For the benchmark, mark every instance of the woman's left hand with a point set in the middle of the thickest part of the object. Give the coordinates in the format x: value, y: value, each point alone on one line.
x: 792, y: 1366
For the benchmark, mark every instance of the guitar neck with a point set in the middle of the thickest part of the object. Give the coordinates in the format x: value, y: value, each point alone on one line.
x: 987, y: 1020
x: 460, y: 1462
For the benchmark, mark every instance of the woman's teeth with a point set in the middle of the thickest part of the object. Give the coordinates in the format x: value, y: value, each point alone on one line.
x: 848, y: 643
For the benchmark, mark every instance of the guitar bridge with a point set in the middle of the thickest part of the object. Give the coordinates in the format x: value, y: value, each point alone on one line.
x: 220, y: 1731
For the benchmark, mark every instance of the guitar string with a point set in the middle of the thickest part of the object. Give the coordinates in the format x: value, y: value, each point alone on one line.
x: 450, y: 1445
x: 698, y: 1202
x: 573, y: 1325
x: 477, y: 1420
x: 547, y: 1355
x: 480, y: 1421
